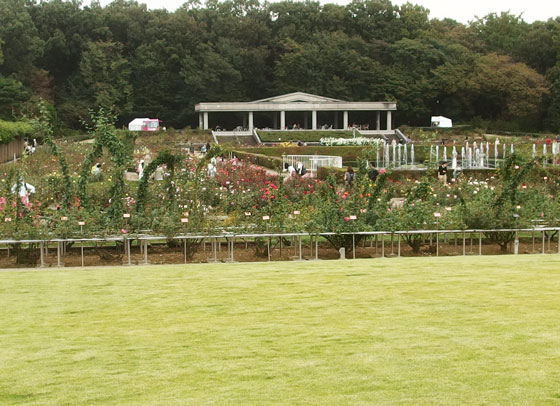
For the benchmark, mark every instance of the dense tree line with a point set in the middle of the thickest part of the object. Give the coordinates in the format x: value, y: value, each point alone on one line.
x: 498, y: 70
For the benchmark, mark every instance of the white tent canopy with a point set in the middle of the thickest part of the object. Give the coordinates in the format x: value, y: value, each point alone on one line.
x: 440, y: 121
x: 144, y: 124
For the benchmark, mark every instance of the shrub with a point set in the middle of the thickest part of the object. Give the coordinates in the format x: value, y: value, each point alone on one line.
x: 10, y: 130
x: 301, y: 135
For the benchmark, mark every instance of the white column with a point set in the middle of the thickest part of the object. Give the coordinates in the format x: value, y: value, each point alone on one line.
x: 388, y: 119
x: 205, y: 120
x: 250, y: 121
x: 345, y: 120
x: 282, y: 120
x: 314, y: 120
x: 378, y: 125
x: 200, y: 121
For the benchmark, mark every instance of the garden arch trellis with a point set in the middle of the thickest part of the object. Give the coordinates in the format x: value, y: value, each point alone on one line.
x: 163, y: 158
x: 105, y: 136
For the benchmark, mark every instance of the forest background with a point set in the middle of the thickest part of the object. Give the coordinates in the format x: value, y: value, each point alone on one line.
x: 495, y: 72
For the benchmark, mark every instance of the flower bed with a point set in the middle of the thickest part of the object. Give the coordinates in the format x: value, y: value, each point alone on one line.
x: 331, y: 141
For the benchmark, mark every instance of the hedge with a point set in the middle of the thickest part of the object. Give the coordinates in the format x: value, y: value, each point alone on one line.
x: 10, y: 130
x: 259, y: 159
x: 401, y: 175
x: 301, y: 135
x: 348, y: 153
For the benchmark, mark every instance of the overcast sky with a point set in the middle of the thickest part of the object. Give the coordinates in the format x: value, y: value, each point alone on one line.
x: 462, y: 11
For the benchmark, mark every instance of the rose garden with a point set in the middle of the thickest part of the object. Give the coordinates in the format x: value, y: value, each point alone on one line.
x: 247, y: 212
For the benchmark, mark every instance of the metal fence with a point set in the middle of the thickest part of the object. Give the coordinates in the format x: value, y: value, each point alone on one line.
x: 312, y: 162
x: 280, y: 246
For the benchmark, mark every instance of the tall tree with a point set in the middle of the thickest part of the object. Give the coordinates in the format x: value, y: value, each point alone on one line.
x: 21, y: 45
x: 508, y: 91
x: 105, y: 74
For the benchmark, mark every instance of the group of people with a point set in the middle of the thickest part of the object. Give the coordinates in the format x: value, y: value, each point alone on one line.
x: 359, y: 126
x: 29, y: 147
x: 298, y: 170
x: 157, y: 175
x: 350, y: 175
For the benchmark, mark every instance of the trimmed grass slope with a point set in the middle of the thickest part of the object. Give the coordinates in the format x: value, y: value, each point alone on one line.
x: 401, y: 331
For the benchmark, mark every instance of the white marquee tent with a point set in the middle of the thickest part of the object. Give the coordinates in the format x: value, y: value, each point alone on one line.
x: 440, y: 121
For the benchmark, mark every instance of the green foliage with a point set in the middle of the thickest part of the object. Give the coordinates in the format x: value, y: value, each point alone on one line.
x: 502, y: 205
x: 44, y: 128
x: 345, y: 211
x: 19, y: 39
x: 348, y: 153
x: 105, y: 135
x: 172, y: 162
x: 139, y: 62
x: 10, y: 130
x: 301, y: 135
x: 12, y: 97
x: 105, y: 74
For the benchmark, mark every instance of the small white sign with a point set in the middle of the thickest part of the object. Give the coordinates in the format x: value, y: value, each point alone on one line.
x: 126, y: 215
x: 296, y: 212
x: 64, y: 218
x: 184, y: 220
x: 247, y: 213
x: 353, y: 217
x: 81, y: 223
x: 266, y: 217
x: 8, y: 219
x: 437, y: 214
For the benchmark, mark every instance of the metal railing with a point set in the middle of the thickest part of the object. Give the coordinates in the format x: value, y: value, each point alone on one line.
x: 311, y: 162
x: 381, y: 244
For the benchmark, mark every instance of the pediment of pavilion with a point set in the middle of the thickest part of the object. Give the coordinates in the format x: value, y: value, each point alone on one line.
x: 298, y: 97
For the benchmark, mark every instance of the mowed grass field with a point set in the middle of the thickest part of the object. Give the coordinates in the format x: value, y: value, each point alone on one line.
x: 400, y: 331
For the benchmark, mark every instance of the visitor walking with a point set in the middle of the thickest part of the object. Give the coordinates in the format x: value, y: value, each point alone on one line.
x: 372, y: 173
x: 291, y: 170
x: 25, y: 189
x: 349, y: 177
x: 96, y: 170
x: 211, y: 170
x: 442, y: 173
x: 140, y: 169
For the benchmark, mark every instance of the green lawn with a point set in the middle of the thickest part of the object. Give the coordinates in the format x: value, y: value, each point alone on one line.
x: 400, y: 331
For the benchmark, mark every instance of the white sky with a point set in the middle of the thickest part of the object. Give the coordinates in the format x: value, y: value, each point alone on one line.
x: 462, y: 11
